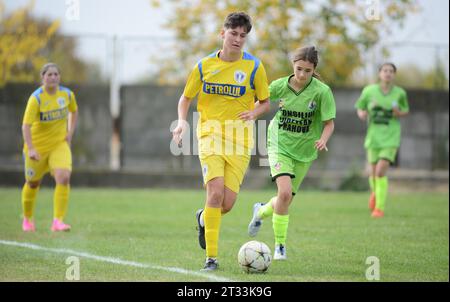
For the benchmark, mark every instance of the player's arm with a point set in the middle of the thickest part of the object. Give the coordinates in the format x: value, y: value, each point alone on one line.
x: 262, y: 95
x: 328, y: 114
x: 261, y: 107
x: 72, y: 124
x: 191, y: 89
x: 401, y: 108
x: 30, y: 116
x: 26, y: 132
x: 361, y: 105
x: 398, y: 113
x: 73, y: 118
x: 327, y: 131
x: 183, y: 109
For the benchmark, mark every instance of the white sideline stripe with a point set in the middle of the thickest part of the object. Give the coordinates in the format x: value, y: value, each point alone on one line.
x: 114, y: 260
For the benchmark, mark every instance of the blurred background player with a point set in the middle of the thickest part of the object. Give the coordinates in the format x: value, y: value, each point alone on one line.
x: 48, y: 126
x: 381, y: 105
x: 227, y: 83
x: 301, y: 127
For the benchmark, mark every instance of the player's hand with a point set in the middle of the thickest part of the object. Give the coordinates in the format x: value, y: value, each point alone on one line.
x: 247, y: 116
x: 362, y: 114
x: 177, y: 134
x: 321, y: 145
x: 69, y: 139
x: 396, y: 112
x: 32, y: 154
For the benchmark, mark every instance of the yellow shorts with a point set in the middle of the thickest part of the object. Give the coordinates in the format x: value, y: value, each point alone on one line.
x: 231, y: 167
x: 58, y: 158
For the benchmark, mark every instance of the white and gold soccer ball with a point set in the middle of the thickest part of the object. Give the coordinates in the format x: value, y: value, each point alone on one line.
x: 254, y: 257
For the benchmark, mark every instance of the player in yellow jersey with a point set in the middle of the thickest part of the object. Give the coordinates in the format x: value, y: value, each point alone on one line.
x: 227, y: 83
x: 48, y: 126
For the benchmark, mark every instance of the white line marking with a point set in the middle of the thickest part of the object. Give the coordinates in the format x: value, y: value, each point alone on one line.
x: 115, y: 260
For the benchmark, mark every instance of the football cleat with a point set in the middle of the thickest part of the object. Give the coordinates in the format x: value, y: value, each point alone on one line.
x: 280, y: 252
x: 256, y: 222
x: 201, y: 230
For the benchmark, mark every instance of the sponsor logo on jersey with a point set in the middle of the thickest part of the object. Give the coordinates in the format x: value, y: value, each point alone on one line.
x: 54, y: 115
x: 224, y: 89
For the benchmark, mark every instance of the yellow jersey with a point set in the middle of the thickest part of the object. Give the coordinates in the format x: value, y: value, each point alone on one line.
x: 224, y: 90
x: 47, y: 114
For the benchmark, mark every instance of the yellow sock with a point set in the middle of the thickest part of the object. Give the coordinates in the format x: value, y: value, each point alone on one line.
x: 212, y: 217
x: 60, y: 201
x: 28, y: 200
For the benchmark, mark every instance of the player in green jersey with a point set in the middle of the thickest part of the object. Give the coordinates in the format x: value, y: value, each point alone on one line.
x: 381, y: 105
x: 301, y: 127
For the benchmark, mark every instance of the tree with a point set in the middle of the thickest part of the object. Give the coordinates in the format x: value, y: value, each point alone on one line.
x: 27, y: 43
x: 342, y: 31
x: 412, y: 76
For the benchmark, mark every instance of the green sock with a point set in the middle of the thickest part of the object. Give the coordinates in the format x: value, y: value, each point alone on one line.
x: 372, y: 184
x: 381, y: 192
x: 280, y: 227
x: 267, y: 209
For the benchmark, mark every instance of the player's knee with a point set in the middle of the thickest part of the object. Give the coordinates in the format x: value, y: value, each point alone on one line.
x: 380, y: 173
x: 215, y: 197
x: 33, y: 184
x: 285, y: 195
x: 226, y: 207
x: 63, y: 179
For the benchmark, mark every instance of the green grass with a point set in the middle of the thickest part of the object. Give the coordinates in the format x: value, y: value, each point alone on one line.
x: 330, y: 236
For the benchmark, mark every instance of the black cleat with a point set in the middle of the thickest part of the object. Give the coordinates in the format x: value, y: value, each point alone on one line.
x: 211, y: 264
x: 201, y: 230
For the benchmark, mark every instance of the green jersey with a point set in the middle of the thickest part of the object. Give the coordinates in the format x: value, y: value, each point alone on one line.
x: 298, y: 122
x: 383, y: 127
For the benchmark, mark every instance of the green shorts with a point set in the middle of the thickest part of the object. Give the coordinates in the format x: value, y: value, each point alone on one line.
x: 374, y: 155
x: 283, y: 165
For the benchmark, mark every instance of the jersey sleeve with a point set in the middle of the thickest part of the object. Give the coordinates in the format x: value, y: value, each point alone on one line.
x: 327, y: 105
x: 73, y: 106
x: 31, y: 111
x: 363, y: 100
x: 193, y: 83
x: 403, y: 102
x: 261, y: 85
x: 274, y: 91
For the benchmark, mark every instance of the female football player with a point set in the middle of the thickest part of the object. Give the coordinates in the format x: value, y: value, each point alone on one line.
x: 301, y: 127
x: 48, y: 127
x: 381, y: 105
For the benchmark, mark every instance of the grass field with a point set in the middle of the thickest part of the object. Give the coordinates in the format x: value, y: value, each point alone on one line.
x: 150, y: 235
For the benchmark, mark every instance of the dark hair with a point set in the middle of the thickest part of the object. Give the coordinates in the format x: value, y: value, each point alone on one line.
x: 388, y: 64
x: 47, y: 66
x: 238, y: 19
x: 309, y: 54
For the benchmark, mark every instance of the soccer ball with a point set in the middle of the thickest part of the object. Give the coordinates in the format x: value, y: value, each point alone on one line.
x: 254, y: 257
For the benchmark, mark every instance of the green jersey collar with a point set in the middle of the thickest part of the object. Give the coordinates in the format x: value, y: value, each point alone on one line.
x: 301, y: 90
